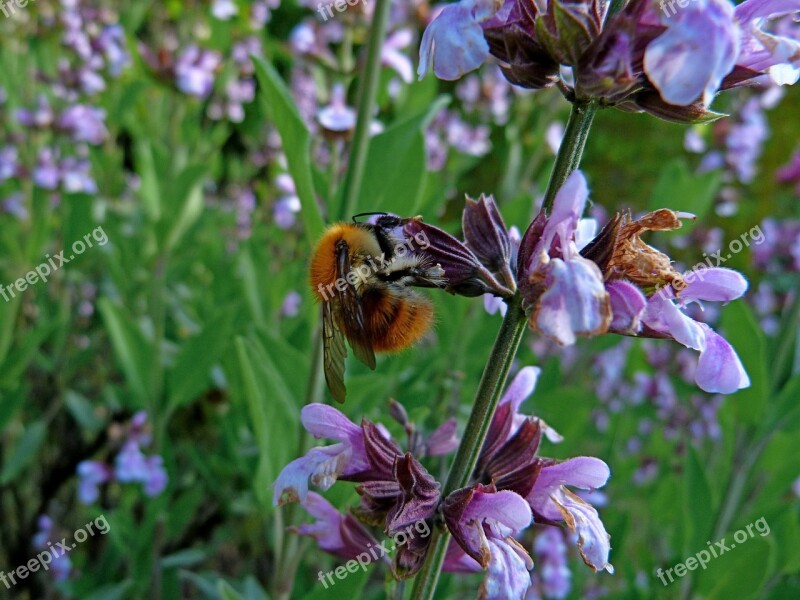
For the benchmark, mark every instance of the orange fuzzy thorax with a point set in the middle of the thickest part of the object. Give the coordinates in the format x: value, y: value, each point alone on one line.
x: 322, y: 271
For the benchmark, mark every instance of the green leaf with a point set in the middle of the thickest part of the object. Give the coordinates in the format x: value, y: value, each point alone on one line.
x: 786, y: 406
x: 253, y: 590
x: 116, y: 591
x: 296, y: 141
x: 227, y: 592
x: 786, y: 530
x: 698, y: 503
x: 273, y: 418
x: 130, y: 347
x: 741, y: 571
x: 395, y: 174
x: 8, y: 321
x: 190, y: 190
x: 677, y: 188
x: 197, y: 355
x: 149, y: 190
x: 745, y: 335
x: 249, y: 279
x: 183, y: 558
x: 12, y: 368
x: 350, y: 586
x: 24, y: 452
x: 83, y: 412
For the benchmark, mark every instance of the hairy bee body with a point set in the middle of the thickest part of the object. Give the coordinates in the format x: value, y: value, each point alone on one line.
x: 361, y: 274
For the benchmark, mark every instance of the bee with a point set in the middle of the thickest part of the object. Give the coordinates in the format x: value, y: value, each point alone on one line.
x: 361, y: 273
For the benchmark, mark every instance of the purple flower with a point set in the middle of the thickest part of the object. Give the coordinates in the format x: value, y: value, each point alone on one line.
x: 76, y: 177
x: 325, y: 464
x: 443, y: 440
x: 131, y: 464
x: 15, y: 205
x: 551, y: 500
x: 291, y: 304
x: 61, y: 566
x: 9, y: 162
x: 285, y: 209
x: 627, y: 306
x: 156, y: 479
x: 41, y: 117
x: 776, y: 53
x: 91, y: 474
x: 194, y: 71
x: 46, y: 174
x: 552, y: 577
x: 453, y: 44
x: 746, y: 139
x: 509, y: 459
x: 391, y: 55
x: 564, y: 290
x: 224, y: 9
x: 790, y: 172
x: 673, y: 62
x: 113, y: 45
x: 719, y: 369
x: 337, y: 534
x: 483, y: 522
x: 337, y: 117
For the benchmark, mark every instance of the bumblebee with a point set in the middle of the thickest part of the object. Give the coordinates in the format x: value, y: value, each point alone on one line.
x: 362, y: 274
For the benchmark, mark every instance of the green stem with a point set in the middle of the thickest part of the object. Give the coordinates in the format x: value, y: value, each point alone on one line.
x: 571, y: 150
x: 486, y: 399
x: 368, y: 91
x: 503, y: 353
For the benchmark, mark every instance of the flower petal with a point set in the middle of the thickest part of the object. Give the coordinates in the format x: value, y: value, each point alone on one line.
x: 575, y: 303
x: 690, y: 59
x: 335, y: 533
x: 323, y: 465
x: 444, y: 439
x: 594, y: 542
x: 719, y: 370
x: 521, y: 387
x: 568, y: 207
x: 663, y: 316
x: 508, y: 575
x: 453, y: 43
x: 504, y: 507
x: 627, y: 307
x: 715, y: 284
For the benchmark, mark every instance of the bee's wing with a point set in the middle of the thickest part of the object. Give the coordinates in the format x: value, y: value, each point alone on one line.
x: 351, y: 311
x: 333, y: 353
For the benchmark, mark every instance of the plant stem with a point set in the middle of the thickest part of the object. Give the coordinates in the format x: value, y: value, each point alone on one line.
x: 486, y: 399
x: 503, y: 353
x: 368, y: 90
x: 571, y: 150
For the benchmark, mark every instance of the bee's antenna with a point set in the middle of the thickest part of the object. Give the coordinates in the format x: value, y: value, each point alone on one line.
x: 367, y: 214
